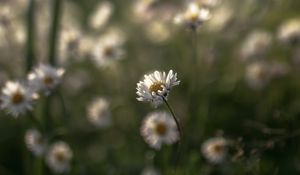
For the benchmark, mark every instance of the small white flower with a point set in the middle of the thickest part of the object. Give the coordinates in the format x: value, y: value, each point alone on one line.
x: 150, y: 170
x: 16, y: 98
x: 108, y: 49
x: 99, y: 113
x: 289, y: 31
x: 35, y: 142
x: 194, y: 16
x: 256, y: 44
x: 159, y: 128
x: 45, y: 78
x: 101, y: 15
x: 258, y: 74
x: 215, y: 149
x: 156, y: 86
x: 59, y: 157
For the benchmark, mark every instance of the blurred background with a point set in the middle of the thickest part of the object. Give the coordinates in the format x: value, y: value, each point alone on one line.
x: 239, y: 80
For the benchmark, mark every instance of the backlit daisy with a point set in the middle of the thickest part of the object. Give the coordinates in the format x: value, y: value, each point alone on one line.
x: 99, y: 113
x: 156, y: 86
x: 159, y: 128
x: 289, y: 31
x: 16, y: 98
x: 215, y: 149
x: 34, y: 142
x: 45, y: 78
x: 59, y: 157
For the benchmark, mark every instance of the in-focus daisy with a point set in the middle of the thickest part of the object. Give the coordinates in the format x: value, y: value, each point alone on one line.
x: 156, y: 87
x: 45, y: 78
x: 258, y: 74
x: 59, y: 157
x: 215, y: 149
x: 101, y: 15
x: 35, y: 142
x: 99, y: 113
x: 256, y: 44
x: 289, y: 31
x: 108, y: 49
x: 16, y: 98
x: 159, y: 128
x: 194, y: 16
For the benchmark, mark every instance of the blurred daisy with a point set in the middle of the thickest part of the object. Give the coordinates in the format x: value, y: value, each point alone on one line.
x: 101, y: 15
x: 215, y: 150
x: 194, y: 16
x: 150, y: 170
x: 99, y: 113
x: 159, y: 128
x: 289, y: 31
x: 59, y: 157
x: 258, y: 75
x: 108, y: 49
x: 16, y: 98
x: 156, y: 86
x: 45, y: 78
x: 158, y: 32
x: 256, y: 44
x: 35, y: 142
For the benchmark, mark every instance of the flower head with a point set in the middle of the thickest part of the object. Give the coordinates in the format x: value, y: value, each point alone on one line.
x: 99, y: 113
x: 16, y: 98
x: 59, y: 157
x: 156, y: 87
x: 289, y: 31
x: 159, y: 128
x: 194, y: 16
x: 258, y: 74
x: 35, y: 142
x: 101, y: 15
x: 215, y: 149
x: 45, y: 78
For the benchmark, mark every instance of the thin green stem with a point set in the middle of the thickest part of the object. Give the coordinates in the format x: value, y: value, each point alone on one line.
x: 30, y: 57
x: 57, y: 6
x: 65, y: 111
x: 35, y: 121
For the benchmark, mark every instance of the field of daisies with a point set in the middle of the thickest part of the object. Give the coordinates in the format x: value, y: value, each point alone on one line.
x: 149, y: 87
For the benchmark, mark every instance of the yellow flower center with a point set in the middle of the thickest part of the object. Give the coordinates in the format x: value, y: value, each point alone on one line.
x: 157, y: 86
x: 109, y: 51
x: 17, y: 98
x: 60, y: 156
x: 48, y: 80
x: 161, y: 129
x: 218, y: 148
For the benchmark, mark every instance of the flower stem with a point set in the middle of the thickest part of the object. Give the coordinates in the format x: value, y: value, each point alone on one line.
x: 30, y: 36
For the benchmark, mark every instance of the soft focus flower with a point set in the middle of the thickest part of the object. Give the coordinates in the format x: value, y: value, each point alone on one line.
x: 221, y: 18
x: 158, y: 31
x: 101, y: 15
x: 215, y: 149
x: 194, y: 16
x: 35, y: 142
x: 16, y: 98
x: 159, y: 128
x: 258, y: 74
x: 59, y: 157
x: 150, y: 170
x: 156, y: 86
x: 99, y: 113
x: 256, y: 44
x: 289, y: 31
x: 45, y: 78
x: 108, y: 49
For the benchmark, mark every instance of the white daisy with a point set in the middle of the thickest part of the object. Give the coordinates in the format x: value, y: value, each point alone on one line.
x: 215, y: 149
x: 59, y: 157
x: 150, y: 170
x: 45, y: 78
x: 258, y: 74
x: 289, y: 31
x: 156, y: 86
x: 99, y: 113
x: 101, y: 15
x: 194, y: 16
x: 16, y: 98
x: 159, y: 128
x: 108, y: 49
x: 35, y: 142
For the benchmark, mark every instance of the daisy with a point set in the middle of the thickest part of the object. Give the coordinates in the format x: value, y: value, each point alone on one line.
x: 99, y: 113
x: 194, y: 16
x: 258, y: 74
x: 215, y: 149
x: 101, y: 15
x: 156, y: 86
x: 34, y: 142
x: 59, y: 157
x: 16, y: 98
x: 289, y: 31
x: 150, y: 170
x: 45, y: 78
x: 159, y: 128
